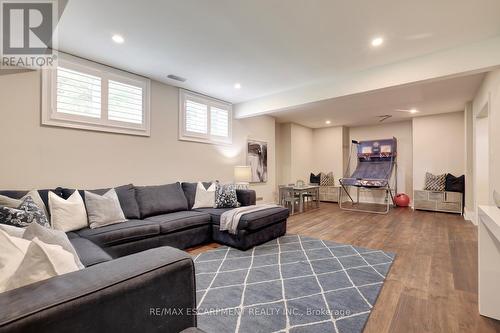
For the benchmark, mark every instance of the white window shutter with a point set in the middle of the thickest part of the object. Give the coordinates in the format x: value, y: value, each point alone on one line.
x: 204, y: 119
x: 219, y: 122
x: 196, y: 117
x: 125, y: 102
x: 78, y: 93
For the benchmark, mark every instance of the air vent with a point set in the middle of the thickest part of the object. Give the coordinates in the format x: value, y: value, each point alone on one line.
x: 176, y: 78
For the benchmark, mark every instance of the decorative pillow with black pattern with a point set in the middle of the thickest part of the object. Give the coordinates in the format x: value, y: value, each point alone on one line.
x: 315, y: 179
x: 225, y: 196
x: 28, y: 212
x: 435, y: 182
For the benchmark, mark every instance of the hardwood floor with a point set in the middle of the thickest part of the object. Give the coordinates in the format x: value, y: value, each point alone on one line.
x: 432, y: 285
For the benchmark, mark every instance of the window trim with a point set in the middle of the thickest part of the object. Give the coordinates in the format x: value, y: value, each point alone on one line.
x: 210, y: 102
x: 51, y: 117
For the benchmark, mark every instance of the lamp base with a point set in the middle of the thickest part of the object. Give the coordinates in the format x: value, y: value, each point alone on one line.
x: 242, y: 186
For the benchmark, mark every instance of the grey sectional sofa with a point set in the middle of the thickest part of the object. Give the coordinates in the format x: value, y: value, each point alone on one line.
x: 134, y: 270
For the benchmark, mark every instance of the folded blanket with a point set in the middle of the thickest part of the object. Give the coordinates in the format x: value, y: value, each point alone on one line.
x: 229, y: 220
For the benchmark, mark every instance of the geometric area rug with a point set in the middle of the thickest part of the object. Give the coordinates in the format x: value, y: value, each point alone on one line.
x: 291, y: 284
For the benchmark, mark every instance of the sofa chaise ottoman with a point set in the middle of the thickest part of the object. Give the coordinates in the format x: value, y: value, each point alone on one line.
x: 253, y: 229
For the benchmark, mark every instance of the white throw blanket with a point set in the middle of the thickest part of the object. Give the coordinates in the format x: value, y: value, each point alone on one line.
x: 229, y: 220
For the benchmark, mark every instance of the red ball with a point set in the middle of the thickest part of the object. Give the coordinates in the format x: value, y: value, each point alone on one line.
x: 402, y: 200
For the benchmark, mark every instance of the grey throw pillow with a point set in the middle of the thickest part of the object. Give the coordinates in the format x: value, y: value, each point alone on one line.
x: 225, y: 196
x: 435, y: 183
x: 104, y: 209
x: 28, y: 212
x: 52, y: 236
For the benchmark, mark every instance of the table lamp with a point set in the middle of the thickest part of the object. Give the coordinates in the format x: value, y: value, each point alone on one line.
x: 242, y: 176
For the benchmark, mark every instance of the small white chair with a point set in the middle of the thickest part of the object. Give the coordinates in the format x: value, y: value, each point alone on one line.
x: 288, y: 198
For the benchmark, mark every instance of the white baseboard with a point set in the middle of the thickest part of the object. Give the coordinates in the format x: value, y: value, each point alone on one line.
x: 470, y: 216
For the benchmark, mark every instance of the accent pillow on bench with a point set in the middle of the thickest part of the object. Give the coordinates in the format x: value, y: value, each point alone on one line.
x: 455, y: 184
x: 315, y: 179
x: 435, y: 183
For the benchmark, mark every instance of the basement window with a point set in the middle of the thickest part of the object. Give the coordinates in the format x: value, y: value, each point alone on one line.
x: 204, y: 119
x: 86, y: 95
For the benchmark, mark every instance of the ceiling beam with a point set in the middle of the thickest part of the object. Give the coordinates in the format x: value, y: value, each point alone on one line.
x: 477, y: 57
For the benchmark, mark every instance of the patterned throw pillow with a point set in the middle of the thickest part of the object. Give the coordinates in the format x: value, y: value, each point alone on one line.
x: 27, y: 212
x: 435, y: 183
x: 225, y: 196
x: 327, y: 179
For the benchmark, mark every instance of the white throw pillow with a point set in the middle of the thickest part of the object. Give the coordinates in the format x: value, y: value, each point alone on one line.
x: 104, y: 209
x: 13, y: 231
x: 205, y: 198
x: 12, y: 251
x: 51, y: 236
x: 24, y: 262
x: 41, y: 261
x: 67, y: 215
x: 14, y: 203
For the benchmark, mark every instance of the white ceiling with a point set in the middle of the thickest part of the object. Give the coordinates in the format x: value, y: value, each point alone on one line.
x: 267, y: 45
x: 441, y: 96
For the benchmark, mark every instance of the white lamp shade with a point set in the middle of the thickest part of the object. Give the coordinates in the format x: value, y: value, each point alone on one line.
x: 242, y: 174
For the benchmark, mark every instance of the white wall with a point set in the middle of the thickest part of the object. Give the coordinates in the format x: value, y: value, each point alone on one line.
x: 283, y: 153
x: 328, y: 151
x: 403, y: 132
x: 301, y: 153
x: 488, y: 94
x: 469, y: 159
x: 438, y: 146
x: 36, y: 156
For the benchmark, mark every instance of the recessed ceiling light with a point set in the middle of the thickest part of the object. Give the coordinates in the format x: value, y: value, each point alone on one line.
x: 328, y: 122
x: 118, y: 39
x: 377, y: 41
x: 237, y: 86
x: 413, y: 111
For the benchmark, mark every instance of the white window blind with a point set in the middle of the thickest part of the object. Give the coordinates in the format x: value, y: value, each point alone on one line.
x: 78, y: 93
x: 86, y: 95
x: 196, y: 116
x: 125, y: 102
x: 219, y: 122
x: 204, y: 119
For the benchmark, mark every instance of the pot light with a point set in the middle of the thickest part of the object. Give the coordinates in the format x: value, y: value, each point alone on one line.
x: 377, y: 41
x: 237, y: 86
x: 118, y: 39
x: 413, y: 111
x: 328, y: 122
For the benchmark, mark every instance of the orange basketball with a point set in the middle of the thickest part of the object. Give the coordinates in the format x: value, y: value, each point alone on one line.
x: 402, y: 200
